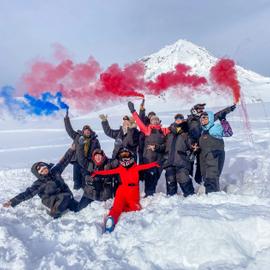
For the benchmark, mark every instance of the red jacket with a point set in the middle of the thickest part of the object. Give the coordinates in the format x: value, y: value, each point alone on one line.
x: 128, y: 176
x: 147, y: 129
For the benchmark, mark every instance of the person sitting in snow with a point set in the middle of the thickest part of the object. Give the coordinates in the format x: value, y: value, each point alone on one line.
x: 154, y: 147
x: 86, y: 137
x: 127, y: 196
x: 100, y: 188
x: 126, y: 136
x: 195, y: 130
x: 211, y: 145
x: 50, y: 187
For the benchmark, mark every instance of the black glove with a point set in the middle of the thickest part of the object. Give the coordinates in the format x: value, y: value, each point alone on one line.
x: 89, y: 180
x: 222, y: 116
x: 131, y: 107
x: 233, y: 107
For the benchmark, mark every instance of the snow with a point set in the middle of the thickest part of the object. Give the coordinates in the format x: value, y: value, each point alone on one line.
x: 226, y: 230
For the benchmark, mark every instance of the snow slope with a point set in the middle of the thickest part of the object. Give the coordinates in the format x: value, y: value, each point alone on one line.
x: 228, y: 230
x: 254, y: 86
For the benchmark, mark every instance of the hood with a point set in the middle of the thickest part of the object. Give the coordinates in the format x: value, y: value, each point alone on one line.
x: 34, y: 169
x: 211, y: 121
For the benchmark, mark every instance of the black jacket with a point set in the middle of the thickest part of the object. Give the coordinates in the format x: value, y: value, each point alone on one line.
x: 48, y: 187
x: 194, y: 124
x: 130, y: 140
x: 78, y: 139
x: 178, y: 147
x: 99, y: 187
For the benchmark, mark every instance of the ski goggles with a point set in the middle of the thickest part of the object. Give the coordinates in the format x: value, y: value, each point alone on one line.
x: 125, y: 154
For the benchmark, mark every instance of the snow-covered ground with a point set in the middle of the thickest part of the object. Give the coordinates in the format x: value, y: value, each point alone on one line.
x: 227, y: 230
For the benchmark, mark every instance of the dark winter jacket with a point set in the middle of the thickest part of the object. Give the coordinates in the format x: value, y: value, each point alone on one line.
x: 99, y: 187
x: 154, y: 135
x: 211, y: 137
x: 146, y: 121
x: 48, y: 187
x: 79, y: 139
x: 178, y: 147
x: 130, y: 140
x: 194, y: 125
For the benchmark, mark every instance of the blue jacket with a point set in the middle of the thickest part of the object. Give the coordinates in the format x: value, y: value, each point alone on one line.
x: 214, y: 129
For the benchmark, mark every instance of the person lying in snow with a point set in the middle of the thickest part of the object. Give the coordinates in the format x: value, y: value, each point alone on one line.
x: 211, y: 144
x: 127, y: 196
x: 50, y: 187
x: 153, y: 149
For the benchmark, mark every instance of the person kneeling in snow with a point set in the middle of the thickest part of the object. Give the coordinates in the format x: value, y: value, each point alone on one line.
x: 50, y: 187
x: 211, y: 144
x: 127, y: 196
x: 98, y: 188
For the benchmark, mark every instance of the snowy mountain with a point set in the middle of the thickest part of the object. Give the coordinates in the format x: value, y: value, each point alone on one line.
x: 254, y: 86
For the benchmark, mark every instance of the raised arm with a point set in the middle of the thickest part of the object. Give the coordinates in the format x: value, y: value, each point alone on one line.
x: 112, y: 133
x: 70, y: 131
x: 106, y: 172
x: 64, y: 161
x: 224, y: 112
x: 148, y: 166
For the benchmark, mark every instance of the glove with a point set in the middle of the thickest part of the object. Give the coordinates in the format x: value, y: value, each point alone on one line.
x: 233, y: 107
x: 222, y: 116
x: 131, y: 107
x: 66, y: 113
x: 118, y: 142
x: 81, y: 140
x: 142, y: 105
x: 103, y: 117
x: 89, y: 180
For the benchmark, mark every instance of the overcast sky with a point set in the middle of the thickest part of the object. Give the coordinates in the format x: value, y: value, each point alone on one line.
x: 125, y: 30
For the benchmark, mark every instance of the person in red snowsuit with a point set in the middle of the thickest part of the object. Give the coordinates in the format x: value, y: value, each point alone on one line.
x: 127, y: 196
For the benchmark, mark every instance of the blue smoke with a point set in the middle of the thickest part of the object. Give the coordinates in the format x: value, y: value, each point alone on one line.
x: 46, y: 104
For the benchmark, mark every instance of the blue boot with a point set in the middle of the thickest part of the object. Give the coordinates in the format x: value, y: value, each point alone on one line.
x: 109, y: 224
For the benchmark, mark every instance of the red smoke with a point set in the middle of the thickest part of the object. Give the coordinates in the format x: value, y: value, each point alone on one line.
x: 179, y: 76
x: 45, y: 76
x: 123, y: 83
x: 224, y: 74
x: 85, y: 85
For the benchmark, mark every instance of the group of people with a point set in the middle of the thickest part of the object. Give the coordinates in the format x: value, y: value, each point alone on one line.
x: 143, y: 148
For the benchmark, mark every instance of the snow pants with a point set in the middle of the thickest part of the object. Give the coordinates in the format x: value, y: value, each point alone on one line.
x: 127, y: 199
x: 211, y: 168
x: 78, y: 176
x: 64, y: 202
x: 179, y: 175
x: 151, y: 178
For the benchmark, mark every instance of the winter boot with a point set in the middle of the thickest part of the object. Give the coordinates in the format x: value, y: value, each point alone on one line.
x: 187, y: 188
x: 109, y: 224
